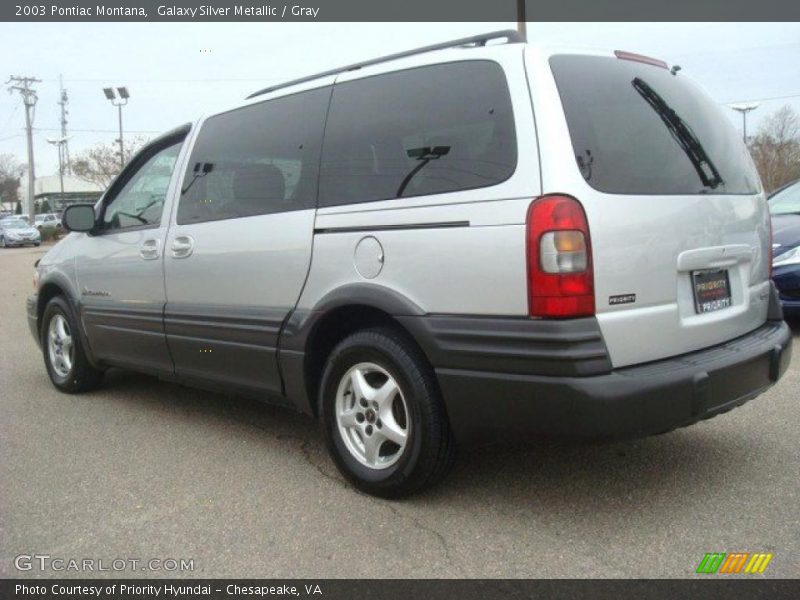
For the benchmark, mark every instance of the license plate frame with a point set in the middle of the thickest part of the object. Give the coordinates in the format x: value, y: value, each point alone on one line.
x: 711, y: 289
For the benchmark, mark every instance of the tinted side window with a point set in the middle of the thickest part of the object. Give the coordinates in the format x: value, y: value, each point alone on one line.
x: 140, y: 202
x: 428, y: 130
x: 256, y: 160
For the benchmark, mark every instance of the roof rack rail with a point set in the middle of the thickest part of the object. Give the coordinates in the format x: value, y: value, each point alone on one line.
x: 511, y: 37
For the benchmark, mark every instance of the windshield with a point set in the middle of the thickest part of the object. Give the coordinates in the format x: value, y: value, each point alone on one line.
x: 14, y: 224
x: 639, y: 129
x: 786, y: 201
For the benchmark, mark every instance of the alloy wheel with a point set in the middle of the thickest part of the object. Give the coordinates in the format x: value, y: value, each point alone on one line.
x: 372, y: 415
x: 59, y: 346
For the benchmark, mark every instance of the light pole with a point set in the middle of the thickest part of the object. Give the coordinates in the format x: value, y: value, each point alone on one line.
x: 59, y: 143
x: 744, y: 109
x: 119, y: 103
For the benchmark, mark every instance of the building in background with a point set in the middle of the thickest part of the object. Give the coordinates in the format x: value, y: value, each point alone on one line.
x: 75, y: 191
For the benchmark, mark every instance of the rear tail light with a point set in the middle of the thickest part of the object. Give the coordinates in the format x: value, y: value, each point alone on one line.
x: 560, y: 279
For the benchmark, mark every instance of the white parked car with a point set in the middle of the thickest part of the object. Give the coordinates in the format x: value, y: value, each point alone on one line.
x: 47, y: 221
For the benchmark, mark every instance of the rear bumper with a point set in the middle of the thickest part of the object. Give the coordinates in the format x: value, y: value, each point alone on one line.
x: 20, y: 243
x: 791, y: 308
x: 629, y: 402
x: 787, y: 280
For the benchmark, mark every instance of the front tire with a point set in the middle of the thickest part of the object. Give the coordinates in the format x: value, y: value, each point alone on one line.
x: 382, y: 415
x: 64, y: 356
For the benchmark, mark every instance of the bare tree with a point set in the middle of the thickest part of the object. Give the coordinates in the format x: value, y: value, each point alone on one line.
x: 100, y: 163
x: 776, y: 148
x: 11, y: 172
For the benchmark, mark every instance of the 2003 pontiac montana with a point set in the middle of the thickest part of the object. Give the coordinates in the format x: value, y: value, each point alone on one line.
x: 463, y: 240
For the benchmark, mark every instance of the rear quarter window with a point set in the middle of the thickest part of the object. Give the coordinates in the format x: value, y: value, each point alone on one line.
x: 634, y: 126
x: 428, y: 130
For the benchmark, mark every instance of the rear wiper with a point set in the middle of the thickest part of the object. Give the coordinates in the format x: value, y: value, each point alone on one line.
x: 682, y: 133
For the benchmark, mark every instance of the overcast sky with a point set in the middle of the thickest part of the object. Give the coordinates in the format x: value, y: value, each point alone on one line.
x: 177, y: 71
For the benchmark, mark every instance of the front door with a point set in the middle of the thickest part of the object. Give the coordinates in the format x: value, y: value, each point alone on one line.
x: 119, y: 266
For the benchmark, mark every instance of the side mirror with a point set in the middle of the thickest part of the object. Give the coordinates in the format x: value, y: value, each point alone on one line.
x: 78, y: 217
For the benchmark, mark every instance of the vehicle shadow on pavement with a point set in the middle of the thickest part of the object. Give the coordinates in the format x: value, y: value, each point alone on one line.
x: 551, y: 474
x: 597, y: 475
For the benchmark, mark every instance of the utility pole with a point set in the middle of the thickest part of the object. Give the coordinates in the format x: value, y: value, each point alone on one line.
x: 29, y: 98
x: 63, y: 155
x: 521, y: 20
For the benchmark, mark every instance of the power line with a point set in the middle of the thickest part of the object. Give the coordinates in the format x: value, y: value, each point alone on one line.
x: 99, y: 130
x: 786, y: 97
x: 11, y: 116
x: 203, y: 80
x: 791, y: 45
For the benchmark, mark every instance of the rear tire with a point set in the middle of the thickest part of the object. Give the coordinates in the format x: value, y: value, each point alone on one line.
x: 382, y: 415
x: 67, y: 365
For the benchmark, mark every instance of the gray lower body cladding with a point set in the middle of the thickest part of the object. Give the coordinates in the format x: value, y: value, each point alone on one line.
x: 502, y: 376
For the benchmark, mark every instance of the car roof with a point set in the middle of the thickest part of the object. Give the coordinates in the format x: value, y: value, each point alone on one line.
x: 477, y: 41
x: 453, y: 51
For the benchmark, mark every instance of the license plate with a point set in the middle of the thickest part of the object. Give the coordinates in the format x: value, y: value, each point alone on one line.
x: 712, y: 290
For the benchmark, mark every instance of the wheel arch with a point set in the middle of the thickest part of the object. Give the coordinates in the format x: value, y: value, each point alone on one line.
x: 311, y: 334
x: 47, y: 291
x: 59, y: 286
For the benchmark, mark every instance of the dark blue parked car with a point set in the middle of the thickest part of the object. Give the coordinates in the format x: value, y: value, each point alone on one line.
x: 784, y: 206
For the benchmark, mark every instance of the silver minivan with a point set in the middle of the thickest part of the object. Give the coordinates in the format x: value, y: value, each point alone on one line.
x: 461, y: 242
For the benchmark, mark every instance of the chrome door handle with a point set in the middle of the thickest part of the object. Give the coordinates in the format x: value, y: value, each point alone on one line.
x: 182, y: 246
x: 150, y: 250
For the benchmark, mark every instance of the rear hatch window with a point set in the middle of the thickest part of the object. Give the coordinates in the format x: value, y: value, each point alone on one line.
x: 639, y: 129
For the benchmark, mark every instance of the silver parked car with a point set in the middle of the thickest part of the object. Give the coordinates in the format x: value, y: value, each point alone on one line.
x: 464, y: 241
x: 15, y: 231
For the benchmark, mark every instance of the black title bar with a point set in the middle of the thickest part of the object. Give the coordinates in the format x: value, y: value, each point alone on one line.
x: 393, y: 589
x: 400, y: 10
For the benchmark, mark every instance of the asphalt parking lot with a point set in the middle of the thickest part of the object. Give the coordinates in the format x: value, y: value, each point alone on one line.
x: 144, y: 469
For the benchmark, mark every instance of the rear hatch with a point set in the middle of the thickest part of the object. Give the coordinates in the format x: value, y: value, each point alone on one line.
x: 678, y: 222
